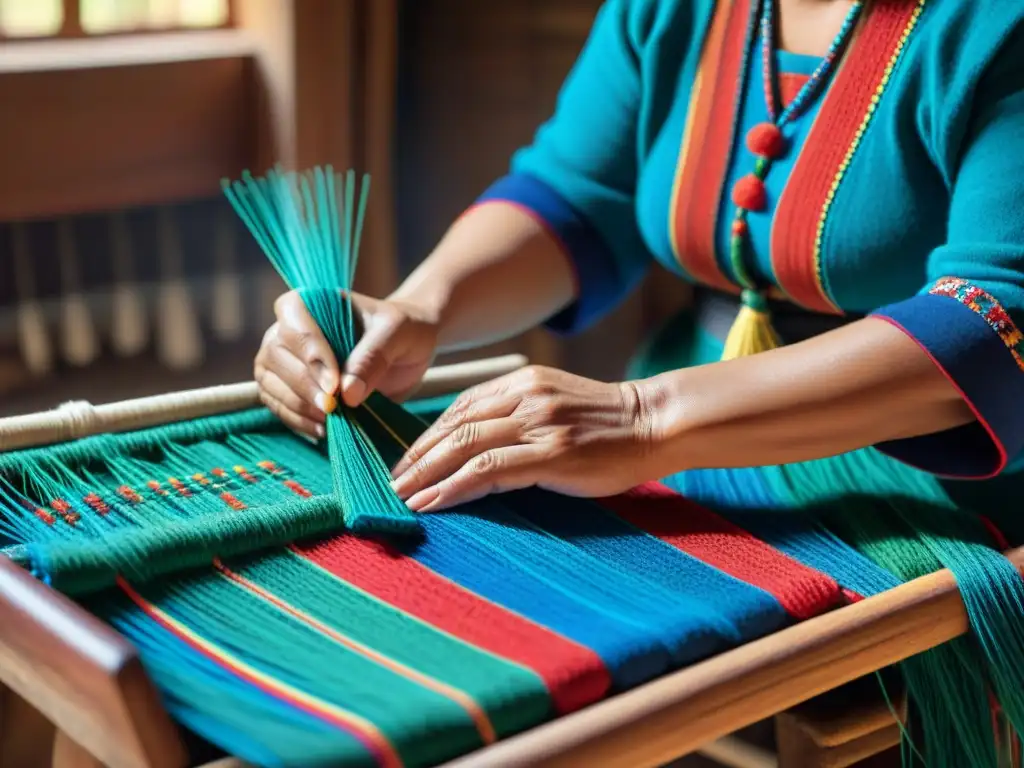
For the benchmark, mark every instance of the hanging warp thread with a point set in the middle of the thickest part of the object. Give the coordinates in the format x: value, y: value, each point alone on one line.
x: 965, y: 696
x: 294, y: 218
x: 213, y: 546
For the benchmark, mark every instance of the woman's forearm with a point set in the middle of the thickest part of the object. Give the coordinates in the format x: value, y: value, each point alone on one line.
x: 853, y: 387
x: 495, y: 274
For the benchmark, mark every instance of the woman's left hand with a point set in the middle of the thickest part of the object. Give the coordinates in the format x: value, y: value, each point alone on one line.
x: 537, y: 426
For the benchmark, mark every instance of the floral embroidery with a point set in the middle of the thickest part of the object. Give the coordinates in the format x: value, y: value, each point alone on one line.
x: 977, y: 300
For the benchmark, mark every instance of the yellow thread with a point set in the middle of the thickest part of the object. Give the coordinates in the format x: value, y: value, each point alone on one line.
x: 402, y: 444
x: 848, y: 159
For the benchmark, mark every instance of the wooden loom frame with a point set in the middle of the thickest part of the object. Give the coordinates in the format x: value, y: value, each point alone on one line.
x: 89, y: 682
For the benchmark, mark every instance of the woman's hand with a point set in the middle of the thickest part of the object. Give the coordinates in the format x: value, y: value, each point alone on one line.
x: 298, y: 374
x: 537, y: 426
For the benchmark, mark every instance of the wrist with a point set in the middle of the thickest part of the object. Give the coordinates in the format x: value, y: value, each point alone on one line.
x: 426, y: 306
x: 661, y: 423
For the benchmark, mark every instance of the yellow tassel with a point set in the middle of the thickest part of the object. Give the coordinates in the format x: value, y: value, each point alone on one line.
x: 752, y: 330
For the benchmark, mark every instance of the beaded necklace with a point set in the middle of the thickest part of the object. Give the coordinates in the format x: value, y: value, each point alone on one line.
x: 752, y: 331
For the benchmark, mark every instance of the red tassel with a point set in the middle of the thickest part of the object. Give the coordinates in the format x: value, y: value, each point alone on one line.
x: 766, y: 140
x: 749, y: 193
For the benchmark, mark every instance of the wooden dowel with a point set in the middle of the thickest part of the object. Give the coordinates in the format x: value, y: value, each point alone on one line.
x: 683, y: 711
x: 79, y: 419
x: 446, y: 379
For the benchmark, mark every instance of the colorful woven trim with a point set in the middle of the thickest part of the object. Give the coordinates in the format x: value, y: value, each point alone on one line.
x: 985, y: 305
x: 711, y: 117
x: 798, y: 228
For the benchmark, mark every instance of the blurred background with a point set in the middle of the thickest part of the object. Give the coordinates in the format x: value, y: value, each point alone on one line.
x: 122, y: 270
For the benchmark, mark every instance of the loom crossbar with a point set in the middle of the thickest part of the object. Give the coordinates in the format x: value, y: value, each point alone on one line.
x: 88, y: 681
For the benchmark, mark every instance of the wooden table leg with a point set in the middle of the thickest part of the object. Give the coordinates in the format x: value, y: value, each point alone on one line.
x: 68, y: 754
x: 25, y: 735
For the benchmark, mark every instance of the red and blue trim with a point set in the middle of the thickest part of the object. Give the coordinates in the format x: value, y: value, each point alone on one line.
x: 689, y: 527
x: 977, y: 346
x: 799, y: 223
x: 707, y: 143
x: 601, y: 280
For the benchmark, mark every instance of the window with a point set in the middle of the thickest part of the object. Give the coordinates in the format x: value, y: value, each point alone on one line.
x: 79, y: 18
x: 105, y: 16
x: 30, y: 18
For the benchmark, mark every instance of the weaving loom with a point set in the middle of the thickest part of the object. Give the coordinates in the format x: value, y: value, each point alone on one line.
x: 284, y: 608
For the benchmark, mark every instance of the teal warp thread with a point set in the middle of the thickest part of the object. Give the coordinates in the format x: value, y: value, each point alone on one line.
x: 142, y: 554
x: 510, y: 706
x: 212, y: 702
x: 903, y: 520
x: 89, y: 450
x: 295, y: 220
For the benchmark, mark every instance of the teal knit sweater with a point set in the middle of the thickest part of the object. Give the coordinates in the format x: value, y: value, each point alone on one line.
x: 902, y: 194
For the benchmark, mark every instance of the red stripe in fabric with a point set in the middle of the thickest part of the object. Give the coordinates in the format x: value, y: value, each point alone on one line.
x: 851, y: 596
x: 802, y: 591
x: 711, y: 138
x: 574, y: 675
x: 843, y: 112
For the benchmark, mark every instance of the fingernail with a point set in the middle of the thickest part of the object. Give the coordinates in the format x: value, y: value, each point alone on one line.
x: 325, y: 402
x: 423, y: 499
x: 352, y: 389
x: 400, y: 485
x: 325, y: 377
x: 320, y: 431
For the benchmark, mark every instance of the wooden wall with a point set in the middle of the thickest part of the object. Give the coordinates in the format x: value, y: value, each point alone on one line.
x: 476, y: 80
x: 429, y: 96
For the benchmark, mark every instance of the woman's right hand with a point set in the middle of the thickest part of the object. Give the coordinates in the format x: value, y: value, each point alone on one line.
x: 299, y: 377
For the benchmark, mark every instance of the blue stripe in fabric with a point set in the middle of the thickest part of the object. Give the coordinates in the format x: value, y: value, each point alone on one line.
x: 745, y: 497
x: 749, y: 610
x: 638, y: 628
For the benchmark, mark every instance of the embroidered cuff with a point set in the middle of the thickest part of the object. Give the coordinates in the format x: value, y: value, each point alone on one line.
x: 975, y: 343
x: 599, y: 286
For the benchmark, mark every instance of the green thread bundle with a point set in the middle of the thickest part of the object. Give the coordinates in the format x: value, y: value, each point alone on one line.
x: 952, y: 689
x: 159, y: 501
x: 310, y: 226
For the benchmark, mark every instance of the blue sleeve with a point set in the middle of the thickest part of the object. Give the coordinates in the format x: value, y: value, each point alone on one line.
x: 968, y: 318
x: 579, y: 175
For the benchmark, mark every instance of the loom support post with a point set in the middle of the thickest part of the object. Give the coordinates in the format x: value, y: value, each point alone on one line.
x: 82, y: 676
